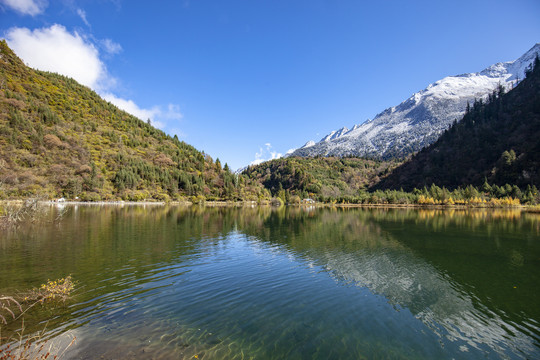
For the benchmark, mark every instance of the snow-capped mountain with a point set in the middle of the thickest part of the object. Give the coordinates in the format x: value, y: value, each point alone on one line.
x: 419, y: 120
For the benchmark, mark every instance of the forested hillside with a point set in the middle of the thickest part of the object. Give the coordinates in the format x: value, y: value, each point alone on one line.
x: 323, y: 178
x: 496, y: 143
x: 60, y: 139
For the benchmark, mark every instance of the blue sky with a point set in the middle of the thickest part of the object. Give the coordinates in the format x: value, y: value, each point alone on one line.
x: 248, y: 80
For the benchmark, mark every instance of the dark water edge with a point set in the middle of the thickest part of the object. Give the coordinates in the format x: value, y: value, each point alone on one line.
x: 178, y: 282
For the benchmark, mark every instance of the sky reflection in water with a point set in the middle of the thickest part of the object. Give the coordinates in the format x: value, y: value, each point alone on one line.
x: 287, y: 283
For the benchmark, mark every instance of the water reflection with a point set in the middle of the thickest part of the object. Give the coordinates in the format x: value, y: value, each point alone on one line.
x: 408, y: 256
x: 288, y: 282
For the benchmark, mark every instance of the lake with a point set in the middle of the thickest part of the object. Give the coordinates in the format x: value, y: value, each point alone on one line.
x: 176, y: 282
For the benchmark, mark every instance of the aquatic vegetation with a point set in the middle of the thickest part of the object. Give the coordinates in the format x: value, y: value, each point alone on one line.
x: 52, y: 290
x: 19, y: 346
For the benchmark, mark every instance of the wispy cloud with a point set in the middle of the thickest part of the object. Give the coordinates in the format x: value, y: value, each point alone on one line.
x: 111, y: 47
x: 265, y: 153
x: 173, y: 112
x: 82, y: 15
x: 26, y: 7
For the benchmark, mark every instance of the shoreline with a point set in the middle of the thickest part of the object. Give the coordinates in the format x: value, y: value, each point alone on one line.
x: 252, y: 204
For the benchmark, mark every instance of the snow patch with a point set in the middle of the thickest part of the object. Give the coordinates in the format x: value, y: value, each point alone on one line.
x: 310, y: 143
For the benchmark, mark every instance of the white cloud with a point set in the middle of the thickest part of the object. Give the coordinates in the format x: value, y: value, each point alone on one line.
x: 26, y: 7
x: 155, y: 114
x: 157, y: 124
x: 82, y: 15
x: 173, y: 112
x: 275, y: 155
x: 258, y: 157
x: 265, y: 154
x: 131, y: 107
x: 111, y: 47
x: 56, y: 49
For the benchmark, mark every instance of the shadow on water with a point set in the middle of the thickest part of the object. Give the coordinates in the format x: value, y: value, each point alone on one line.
x: 285, y: 283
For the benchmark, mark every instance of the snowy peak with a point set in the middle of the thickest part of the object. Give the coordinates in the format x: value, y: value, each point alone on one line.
x: 419, y: 120
x: 335, y: 134
x: 512, y: 70
x: 517, y: 68
x: 310, y: 143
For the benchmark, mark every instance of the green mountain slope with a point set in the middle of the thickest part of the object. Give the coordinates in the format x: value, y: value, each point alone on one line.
x: 497, y: 141
x: 59, y: 138
x: 324, y: 178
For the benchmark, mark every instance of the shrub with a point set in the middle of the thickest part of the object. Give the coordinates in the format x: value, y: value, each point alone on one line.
x: 52, y: 141
x: 135, y: 195
x: 90, y: 196
x: 164, y: 160
x: 162, y: 197
x: 295, y: 199
x: 83, y: 169
x: 199, y: 199
x: 52, y: 290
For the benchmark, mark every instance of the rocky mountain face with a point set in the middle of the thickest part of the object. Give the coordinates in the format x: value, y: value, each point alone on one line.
x: 419, y: 121
x: 496, y: 143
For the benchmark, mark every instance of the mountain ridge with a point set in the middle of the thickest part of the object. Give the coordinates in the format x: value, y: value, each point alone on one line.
x: 496, y: 143
x: 419, y: 120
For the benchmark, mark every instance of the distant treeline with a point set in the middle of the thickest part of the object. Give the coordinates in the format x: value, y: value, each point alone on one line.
x: 486, y: 195
x: 346, y: 181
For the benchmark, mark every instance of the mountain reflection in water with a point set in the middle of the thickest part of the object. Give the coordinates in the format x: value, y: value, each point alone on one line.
x: 275, y: 283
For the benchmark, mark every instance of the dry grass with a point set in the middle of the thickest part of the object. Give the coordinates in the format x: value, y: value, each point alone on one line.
x: 7, y: 303
x: 32, y: 348
x: 13, y: 213
x: 19, y: 346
